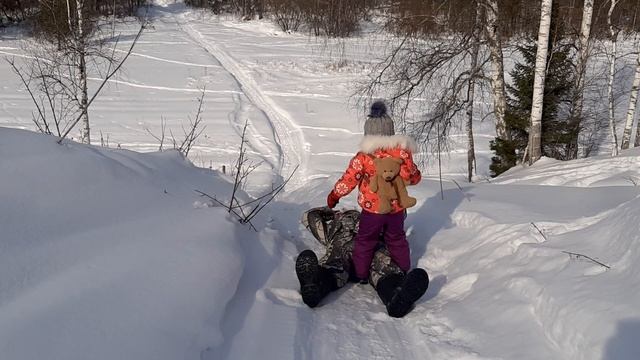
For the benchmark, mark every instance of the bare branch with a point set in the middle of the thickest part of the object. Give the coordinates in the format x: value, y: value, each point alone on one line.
x: 239, y: 164
x: 540, y: 231
x: 578, y: 256
x: 163, y: 126
x: 274, y: 192
x: 224, y: 205
x: 33, y: 98
x: 103, y: 83
x: 194, y: 129
x: 247, y: 210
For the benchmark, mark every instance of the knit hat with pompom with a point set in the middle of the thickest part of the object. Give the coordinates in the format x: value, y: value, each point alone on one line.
x: 378, y: 121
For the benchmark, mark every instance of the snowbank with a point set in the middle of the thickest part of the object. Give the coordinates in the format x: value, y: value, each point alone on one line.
x: 624, y: 170
x: 104, y: 255
x: 505, y: 285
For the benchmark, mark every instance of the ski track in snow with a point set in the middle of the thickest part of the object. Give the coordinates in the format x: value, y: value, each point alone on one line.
x: 259, y: 143
x: 291, y: 147
x: 18, y: 55
x: 300, y: 95
x: 272, y: 135
x: 164, y: 88
x: 169, y: 61
x: 321, y: 128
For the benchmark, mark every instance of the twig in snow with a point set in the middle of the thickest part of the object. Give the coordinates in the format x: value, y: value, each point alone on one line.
x: 274, y: 192
x: 163, y: 128
x: 632, y: 180
x: 194, y: 131
x: 246, y: 217
x: 458, y: 185
x: 461, y: 189
x: 577, y: 256
x: 540, y: 231
x: 231, y: 210
x: 246, y: 211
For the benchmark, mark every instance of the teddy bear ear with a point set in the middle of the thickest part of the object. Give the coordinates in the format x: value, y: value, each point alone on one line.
x: 397, y: 160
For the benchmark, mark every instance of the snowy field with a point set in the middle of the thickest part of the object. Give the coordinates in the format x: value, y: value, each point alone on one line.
x: 109, y: 253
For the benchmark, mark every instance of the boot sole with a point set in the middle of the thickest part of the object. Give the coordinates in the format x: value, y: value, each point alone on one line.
x: 412, y: 288
x: 307, y: 270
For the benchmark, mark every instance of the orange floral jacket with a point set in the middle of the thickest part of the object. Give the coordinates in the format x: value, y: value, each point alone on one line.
x: 361, y: 168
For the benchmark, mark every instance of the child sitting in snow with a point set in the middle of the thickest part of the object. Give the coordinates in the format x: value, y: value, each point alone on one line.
x: 379, y: 141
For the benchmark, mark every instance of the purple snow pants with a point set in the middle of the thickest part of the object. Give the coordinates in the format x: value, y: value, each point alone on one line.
x: 395, y: 240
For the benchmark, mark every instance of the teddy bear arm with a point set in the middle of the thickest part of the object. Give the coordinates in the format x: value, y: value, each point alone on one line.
x: 400, y: 186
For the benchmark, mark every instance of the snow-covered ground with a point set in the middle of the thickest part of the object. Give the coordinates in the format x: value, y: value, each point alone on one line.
x: 111, y: 254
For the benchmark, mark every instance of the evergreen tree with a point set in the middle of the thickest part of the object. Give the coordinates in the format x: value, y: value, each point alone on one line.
x: 558, y: 131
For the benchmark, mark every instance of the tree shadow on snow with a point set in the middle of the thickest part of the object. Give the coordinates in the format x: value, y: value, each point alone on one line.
x: 625, y: 344
x: 433, y: 216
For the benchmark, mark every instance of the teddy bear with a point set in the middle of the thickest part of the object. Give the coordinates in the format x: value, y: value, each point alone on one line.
x: 388, y: 185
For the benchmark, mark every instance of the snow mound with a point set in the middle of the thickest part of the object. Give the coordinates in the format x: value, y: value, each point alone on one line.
x: 553, y: 269
x: 104, y: 255
x: 622, y: 170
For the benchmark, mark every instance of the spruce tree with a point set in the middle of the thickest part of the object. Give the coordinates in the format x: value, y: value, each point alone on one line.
x: 558, y: 131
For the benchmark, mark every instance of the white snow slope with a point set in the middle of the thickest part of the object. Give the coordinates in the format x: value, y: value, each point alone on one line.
x: 104, y: 255
x: 111, y: 254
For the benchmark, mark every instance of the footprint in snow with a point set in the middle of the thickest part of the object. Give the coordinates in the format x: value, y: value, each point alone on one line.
x: 595, y: 270
x: 285, y: 297
x: 459, y: 288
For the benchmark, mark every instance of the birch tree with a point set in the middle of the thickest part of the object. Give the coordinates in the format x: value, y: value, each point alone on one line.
x: 535, y: 133
x: 494, y: 43
x: 581, y: 69
x: 631, y: 111
x: 613, y: 38
x: 56, y: 74
x: 80, y: 48
x: 475, y: 51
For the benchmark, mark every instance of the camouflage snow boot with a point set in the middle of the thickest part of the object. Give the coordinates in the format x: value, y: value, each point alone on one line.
x: 399, y: 292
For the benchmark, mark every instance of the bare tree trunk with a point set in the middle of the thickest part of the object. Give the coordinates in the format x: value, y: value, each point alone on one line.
x: 84, y: 98
x: 471, y: 153
x: 82, y: 69
x: 535, y: 133
x: 631, y: 112
x: 497, y: 78
x: 110, y: 73
x: 636, y: 143
x: 612, y: 70
x: 69, y: 18
x: 581, y: 69
x: 59, y: 35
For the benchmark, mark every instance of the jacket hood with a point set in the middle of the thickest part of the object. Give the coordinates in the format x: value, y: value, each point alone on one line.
x: 371, y: 143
